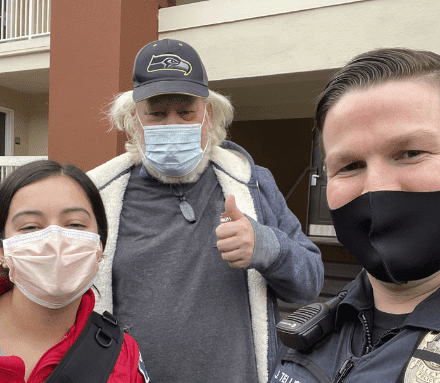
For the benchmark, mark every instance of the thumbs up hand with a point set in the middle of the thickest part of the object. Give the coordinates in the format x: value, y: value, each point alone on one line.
x: 236, y: 237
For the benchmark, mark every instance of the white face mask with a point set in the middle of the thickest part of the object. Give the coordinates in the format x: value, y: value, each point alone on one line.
x: 54, y: 266
x: 173, y: 150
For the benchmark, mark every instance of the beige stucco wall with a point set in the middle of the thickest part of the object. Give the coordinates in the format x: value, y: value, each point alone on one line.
x: 38, y: 120
x: 306, y: 40
x: 27, y: 54
x: 16, y: 101
x: 30, y: 120
x: 274, y: 58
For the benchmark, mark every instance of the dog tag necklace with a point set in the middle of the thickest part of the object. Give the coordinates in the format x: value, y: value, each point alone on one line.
x: 185, y: 207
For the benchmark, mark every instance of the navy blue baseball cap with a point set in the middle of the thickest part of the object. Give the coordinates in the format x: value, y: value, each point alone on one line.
x: 168, y: 66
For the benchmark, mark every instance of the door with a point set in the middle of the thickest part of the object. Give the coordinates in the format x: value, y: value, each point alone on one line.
x: 319, y: 219
x: 2, y: 133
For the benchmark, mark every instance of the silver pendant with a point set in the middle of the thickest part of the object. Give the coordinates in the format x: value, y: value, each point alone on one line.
x: 187, y: 211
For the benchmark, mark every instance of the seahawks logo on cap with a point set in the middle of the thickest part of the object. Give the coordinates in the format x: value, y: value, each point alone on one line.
x: 169, y: 62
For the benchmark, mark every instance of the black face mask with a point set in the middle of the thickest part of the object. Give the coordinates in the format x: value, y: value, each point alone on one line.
x: 394, y: 235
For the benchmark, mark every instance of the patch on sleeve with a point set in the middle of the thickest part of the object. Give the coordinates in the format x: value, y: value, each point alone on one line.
x: 142, y: 369
x: 424, y: 364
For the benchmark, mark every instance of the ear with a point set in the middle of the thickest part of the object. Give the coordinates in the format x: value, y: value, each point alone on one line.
x: 210, y: 115
x: 2, y: 259
x: 135, y: 111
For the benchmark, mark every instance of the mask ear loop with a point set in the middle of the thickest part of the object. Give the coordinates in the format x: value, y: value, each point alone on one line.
x: 139, y: 118
x: 201, y: 128
x: 204, y: 115
x: 138, y: 144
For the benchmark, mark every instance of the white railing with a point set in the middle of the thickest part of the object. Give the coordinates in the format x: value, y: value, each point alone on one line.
x: 24, y: 19
x: 9, y: 163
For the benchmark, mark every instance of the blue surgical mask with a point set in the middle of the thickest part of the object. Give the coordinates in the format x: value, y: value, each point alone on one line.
x: 173, y: 150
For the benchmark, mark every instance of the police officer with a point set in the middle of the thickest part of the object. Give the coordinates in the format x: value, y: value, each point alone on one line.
x: 379, y: 122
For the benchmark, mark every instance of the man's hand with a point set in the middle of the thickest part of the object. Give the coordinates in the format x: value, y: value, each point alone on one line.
x: 236, y: 237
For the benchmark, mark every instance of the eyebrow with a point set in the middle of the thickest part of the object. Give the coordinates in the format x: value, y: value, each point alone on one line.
x: 406, y: 139
x: 26, y: 212
x: 184, y: 100
x: 392, y: 142
x: 40, y: 213
x: 75, y: 209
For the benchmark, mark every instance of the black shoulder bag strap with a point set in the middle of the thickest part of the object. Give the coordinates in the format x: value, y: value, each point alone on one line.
x: 286, y: 354
x: 93, y: 355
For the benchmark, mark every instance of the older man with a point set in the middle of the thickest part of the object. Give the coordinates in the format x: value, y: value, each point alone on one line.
x: 379, y: 117
x: 199, y: 296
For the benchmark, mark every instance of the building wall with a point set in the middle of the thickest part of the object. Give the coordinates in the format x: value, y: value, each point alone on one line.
x: 30, y: 120
x: 284, y: 147
x: 16, y: 101
x: 38, y: 125
x: 297, y: 41
x: 25, y: 55
x: 273, y: 59
x: 93, y: 46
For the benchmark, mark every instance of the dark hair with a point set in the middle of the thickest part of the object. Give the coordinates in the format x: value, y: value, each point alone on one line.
x: 40, y: 170
x: 372, y: 68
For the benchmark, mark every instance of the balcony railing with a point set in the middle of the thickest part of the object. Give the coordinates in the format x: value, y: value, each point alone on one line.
x: 24, y: 19
x: 9, y: 163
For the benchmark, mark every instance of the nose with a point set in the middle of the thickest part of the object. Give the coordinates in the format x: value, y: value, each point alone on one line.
x: 172, y: 118
x: 381, y: 176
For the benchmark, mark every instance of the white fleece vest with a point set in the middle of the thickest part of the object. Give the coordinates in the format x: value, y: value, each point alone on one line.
x: 233, y: 163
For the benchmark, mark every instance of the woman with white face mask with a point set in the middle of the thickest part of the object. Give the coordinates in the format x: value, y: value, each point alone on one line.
x: 53, y: 230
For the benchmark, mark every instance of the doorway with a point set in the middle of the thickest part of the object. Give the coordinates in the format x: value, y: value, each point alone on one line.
x: 6, y: 131
x: 2, y: 133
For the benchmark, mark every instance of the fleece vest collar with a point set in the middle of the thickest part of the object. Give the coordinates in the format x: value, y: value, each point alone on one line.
x: 233, y: 171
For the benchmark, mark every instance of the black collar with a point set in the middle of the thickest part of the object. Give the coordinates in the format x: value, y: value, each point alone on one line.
x: 360, y: 298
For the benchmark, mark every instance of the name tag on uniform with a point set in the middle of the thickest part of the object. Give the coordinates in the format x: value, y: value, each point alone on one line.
x: 283, y: 375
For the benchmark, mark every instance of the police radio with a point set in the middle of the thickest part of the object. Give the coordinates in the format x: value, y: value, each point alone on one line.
x: 310, y: 326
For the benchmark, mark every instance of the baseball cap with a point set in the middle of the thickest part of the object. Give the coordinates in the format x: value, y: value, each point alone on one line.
x: 168, y: 66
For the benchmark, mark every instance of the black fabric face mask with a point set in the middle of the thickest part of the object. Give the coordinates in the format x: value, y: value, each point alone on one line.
x: 394, y: 235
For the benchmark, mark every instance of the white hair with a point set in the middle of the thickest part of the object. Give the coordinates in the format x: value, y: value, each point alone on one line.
x: 122, y: 116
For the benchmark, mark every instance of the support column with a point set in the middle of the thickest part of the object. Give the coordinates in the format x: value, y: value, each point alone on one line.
x: 93, y: 46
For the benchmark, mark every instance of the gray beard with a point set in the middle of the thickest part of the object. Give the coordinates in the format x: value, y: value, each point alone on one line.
x: 191, y: 177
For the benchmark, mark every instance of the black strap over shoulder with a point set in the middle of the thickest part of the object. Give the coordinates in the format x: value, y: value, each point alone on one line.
x: 92, y: 357
x: 286, y: 354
